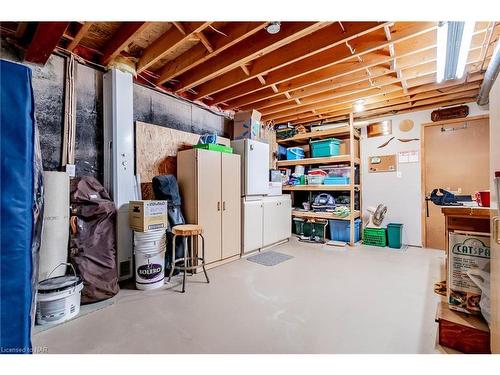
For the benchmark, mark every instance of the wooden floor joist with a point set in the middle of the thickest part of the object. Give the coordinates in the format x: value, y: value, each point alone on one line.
x: 306, y: 72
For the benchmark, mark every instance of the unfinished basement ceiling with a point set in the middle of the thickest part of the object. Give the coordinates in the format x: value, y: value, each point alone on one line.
x: 306, y: 73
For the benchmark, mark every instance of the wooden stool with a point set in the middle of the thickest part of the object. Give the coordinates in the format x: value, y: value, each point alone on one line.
x: 185, y: 231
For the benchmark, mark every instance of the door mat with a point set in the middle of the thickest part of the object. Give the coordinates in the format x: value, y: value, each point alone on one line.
x: 269, y: 258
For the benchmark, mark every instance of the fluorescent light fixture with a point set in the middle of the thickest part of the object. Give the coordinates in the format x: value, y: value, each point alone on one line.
x: 464, y: 47
x: 453, y: 45
x: 442, y: 40
x: 359, y: 105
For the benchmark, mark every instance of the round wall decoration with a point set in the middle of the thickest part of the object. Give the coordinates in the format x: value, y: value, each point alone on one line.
x: 406, y: 125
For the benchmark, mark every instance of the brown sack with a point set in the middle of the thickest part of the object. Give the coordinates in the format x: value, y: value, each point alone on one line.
x: 92, y: 239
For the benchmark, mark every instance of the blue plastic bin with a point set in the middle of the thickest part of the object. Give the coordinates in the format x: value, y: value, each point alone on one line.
x: 295, y: 153
x: 325, y: 147
x: 335, y: 180
x: 340, y: 230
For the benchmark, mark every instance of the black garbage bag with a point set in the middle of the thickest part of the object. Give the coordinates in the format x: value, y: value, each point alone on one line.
x: 166, y: 188
x: 92, y: 239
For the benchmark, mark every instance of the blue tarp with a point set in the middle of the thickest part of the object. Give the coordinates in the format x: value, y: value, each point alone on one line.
x: 17, y: 198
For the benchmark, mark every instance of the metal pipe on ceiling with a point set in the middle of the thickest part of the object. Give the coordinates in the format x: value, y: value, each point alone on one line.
x: 489, y: 78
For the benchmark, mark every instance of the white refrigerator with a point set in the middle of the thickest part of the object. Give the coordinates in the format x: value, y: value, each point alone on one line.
x: 254, y: 166
x: 266, y: 220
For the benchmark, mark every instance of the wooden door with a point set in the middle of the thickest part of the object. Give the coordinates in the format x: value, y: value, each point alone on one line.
x: 209, y: 176
x: 231, y: 205
x: 456, y: 158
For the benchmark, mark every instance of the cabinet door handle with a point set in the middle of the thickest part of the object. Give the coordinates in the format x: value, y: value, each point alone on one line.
x: 218, y: 206
x: 224, y: 206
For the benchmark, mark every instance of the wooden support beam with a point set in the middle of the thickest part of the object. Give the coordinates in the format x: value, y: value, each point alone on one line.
x: 121, y: 39
x: 203, y: 39
x: 398, y: 97
x: 394, y: 67
x: 245, y: 69
x: 179, y: 27
x: 235, y: 31
x: 275, y: 89
x: 170, y: 40
x: 21, y: 30
x: 261, y: 79
x: 258, y: 44
x: 45, y: 40
x: 318, y: 41
x: 79, y: 35
x: 327, y: 59
x: 410, y: 51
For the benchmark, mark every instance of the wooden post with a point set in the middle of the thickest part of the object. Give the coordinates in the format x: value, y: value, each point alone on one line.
x: 352, y: 180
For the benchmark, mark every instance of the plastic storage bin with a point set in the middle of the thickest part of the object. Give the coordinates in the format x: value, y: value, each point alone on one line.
x: 315, y: 179
x: 334, y: 180
x: 395, y: 235
x: 306, y: 228
x: 375, y: 237
x: 295, y: 153
x: 215, y: 147
x: 325, y: 147
x: 340, y: 230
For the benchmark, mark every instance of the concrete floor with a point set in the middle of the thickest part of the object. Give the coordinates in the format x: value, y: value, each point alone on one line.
x: 324, y: 300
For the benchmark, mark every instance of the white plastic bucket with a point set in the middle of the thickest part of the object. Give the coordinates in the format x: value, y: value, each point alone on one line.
x: 58, y: 298
x: 149, y: 251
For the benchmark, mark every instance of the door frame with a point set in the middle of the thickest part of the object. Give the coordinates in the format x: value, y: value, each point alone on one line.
x: 422, y: 162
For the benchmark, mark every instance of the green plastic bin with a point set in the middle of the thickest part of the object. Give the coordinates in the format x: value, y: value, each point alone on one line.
x: 304, y: 227
x: 375, y: 237
x: 395, y: 235
x: 325, y: 147
x: 215, y: 147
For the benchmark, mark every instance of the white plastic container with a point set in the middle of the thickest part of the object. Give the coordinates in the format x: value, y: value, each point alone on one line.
x: 315, y: 179
x: 58, y: 298
x: 149, y: 251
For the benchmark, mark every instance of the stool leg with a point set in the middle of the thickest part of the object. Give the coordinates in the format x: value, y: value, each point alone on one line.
x: 172, y: 262
x: 203, y: 257
x: 184, y: 239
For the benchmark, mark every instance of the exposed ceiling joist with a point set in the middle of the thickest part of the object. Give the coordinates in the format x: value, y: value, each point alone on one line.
x: 358, y: 88
x: 332, y: 56
x: 79, y: 35
x: 252, y: 47
x: 45, y: 40
x: 327, y: 37
x: 121, y: 39
x: 410, y: 51
x: 236, y: 32
x: 171, y: 39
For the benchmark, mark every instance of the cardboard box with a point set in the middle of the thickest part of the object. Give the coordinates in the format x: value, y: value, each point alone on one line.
x: 246, y: 125
x: 466, y: 251
x: 345, y: 148
x: 147, y: 215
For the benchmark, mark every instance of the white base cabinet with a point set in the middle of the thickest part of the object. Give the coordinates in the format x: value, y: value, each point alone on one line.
x: 266, y: 221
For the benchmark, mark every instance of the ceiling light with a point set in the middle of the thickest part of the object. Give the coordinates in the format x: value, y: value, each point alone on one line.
x: 359, y: 105
x: 453, y: 45
x: 273, y: 27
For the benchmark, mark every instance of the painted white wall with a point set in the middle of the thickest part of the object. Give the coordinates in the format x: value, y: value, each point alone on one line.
x: 402, y: 195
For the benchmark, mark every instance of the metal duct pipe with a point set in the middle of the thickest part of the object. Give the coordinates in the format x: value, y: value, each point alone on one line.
x: 489, y: 78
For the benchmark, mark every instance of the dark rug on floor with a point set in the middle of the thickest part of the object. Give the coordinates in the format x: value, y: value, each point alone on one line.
x: 269, y: 258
